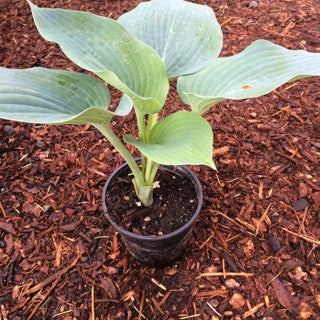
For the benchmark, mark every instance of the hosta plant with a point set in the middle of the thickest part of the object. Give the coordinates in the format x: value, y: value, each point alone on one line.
x: 139, y: 54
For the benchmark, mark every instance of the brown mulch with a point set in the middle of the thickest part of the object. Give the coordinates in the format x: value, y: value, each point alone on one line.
x: 255, y: 248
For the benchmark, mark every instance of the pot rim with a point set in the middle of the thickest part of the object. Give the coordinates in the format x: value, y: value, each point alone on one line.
x: 193, y: 179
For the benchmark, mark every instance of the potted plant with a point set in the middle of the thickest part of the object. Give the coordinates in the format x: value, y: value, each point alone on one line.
x: 139, y: 54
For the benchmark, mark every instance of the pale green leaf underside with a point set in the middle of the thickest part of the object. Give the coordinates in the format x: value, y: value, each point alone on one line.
x: 181, y: 138
x: 186, y: 35
x: 103, y: 46
x: 40, y: 95
x: 259, y: 69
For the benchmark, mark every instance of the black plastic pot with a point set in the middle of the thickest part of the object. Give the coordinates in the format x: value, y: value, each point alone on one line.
x: 163, y: 249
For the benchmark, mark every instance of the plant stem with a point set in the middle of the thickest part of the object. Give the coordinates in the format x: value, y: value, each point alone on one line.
x: 114, y: 140
x: 152, y: 120
x: 143, y: 164
x: 153, y: 172
x: 152, y: 167
x: 148, y: 170
x: 143, y: 137
x: 141, y: 126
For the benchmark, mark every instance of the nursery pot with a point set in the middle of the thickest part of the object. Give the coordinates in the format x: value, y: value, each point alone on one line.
x: 163, y: 249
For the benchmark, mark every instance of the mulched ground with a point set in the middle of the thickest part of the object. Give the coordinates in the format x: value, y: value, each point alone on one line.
x: 60, y: 259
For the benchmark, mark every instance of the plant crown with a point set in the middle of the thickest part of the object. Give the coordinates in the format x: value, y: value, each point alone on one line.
x: 139, y: 54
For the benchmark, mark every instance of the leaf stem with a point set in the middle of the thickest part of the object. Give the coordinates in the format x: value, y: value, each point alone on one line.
x: 153, y: 172
x: 143, y: 164
x: 148, y: 173
x: 148, y: 170
x: 143, y: 137
x: 141, y: 126
x: 115, y: 141
x: 152, y: 120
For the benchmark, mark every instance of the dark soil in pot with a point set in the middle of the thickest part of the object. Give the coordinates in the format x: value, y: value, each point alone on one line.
x: 156, y: 235
x: 174, y: 204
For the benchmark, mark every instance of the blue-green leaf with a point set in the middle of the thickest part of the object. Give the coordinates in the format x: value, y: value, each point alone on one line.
x: 40, y: 95
x: 186, y: 35
x: 103, y: 46
x: 259, y: 69
x: 181, y: 138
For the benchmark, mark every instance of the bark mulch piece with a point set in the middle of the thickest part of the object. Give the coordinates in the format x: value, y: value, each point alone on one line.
x: 255, y: 248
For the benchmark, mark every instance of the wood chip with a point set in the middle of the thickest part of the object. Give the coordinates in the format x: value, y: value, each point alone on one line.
x: 212, y: 293
x: 70, y: 227
x: 263, y: 217
x: 56, y: 275
x: 156, y: 304
x: 305, y: 237
x: 306, y: 311
x: 260, y: 193
x: 109, y: 287
x: 171, y: 272
x: 157, y: 283
x: 92, y: 304
x: 7, y: 227
x: 231, y: 284
x: 2, y: 210
x: 237, y: 301
x: 282, y: 294
x: 221, y: 151
x: 227, y: 274
x: 300, y: 204
x: 253, y: 310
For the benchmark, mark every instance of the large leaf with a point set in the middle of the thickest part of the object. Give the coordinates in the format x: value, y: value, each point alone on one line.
x: 40, y: 95
x: 186, y: 35
x: 104, y: 47
x: 259, y: 69
x: 181, y: 138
